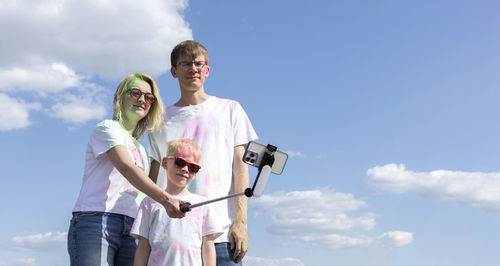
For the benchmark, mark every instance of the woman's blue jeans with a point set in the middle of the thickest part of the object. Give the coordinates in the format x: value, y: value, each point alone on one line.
x: 99, y: 238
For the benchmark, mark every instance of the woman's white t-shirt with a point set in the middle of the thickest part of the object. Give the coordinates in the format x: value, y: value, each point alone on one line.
x: 105, y: 189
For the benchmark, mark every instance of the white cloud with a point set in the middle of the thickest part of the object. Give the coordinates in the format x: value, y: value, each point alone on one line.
x: 25, y: 262
x: 295, y: 153
x: 39, y: 78
x: 57, y: 47
x: 395, y: 238
x: 14, y: 113
x: 107, y: 38
x: 473, y: 188
x: 256, y: 261
x: 317, y: 217
x: 79, y: 108
x: 44, y: 241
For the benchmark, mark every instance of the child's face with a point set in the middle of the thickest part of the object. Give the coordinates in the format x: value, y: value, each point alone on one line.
x: 180, y: 176
x: 191, y: 77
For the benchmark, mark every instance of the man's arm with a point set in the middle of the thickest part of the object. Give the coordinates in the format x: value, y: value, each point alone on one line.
x: 208, y: 255
x: 142, y: 252
x: 238, y: 235
x: 153, y: 171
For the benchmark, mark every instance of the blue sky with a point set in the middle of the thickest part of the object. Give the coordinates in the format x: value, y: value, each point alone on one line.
x: 387, y: 109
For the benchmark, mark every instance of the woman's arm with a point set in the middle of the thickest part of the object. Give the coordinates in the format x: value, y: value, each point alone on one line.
x: 142, y: 252
x: 137, y: 177
x: 208, y: 251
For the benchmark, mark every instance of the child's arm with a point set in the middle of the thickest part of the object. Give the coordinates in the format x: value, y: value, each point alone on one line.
x: 142, y: 252
x: 208, y: 251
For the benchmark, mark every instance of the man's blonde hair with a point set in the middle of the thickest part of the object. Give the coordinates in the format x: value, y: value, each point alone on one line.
x: 188, y: 48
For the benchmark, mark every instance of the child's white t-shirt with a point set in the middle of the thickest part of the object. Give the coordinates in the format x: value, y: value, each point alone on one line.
x: 175, y: 241
x: 104, y: 188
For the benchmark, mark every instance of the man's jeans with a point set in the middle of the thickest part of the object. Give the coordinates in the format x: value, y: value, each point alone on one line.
x: 225, y: 254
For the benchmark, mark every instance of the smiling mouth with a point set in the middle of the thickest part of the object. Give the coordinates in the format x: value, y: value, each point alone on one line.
x: 183, y: 176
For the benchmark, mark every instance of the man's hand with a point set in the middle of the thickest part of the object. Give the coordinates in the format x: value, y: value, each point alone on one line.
x: 238, y: 240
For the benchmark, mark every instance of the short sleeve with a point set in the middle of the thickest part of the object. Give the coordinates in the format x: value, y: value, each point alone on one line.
x: 153, y: 145
x: 211, y: 225
x: 243, y: 129
x: 105, y: 136
x: 141, y: 222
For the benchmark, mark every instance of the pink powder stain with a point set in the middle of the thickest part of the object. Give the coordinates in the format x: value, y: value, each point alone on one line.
x: 138, y: 160
x: 178, y: 246
x: 195, y: 217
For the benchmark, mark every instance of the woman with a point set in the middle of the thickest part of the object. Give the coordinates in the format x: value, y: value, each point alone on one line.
x: 115, y: 172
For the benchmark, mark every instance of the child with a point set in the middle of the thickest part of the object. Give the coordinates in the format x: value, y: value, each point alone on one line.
x: 187, y: 241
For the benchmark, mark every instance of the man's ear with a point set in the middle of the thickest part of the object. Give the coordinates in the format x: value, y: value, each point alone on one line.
x: 207, y: 71
x: 173, y: 71
x: 164, y: 163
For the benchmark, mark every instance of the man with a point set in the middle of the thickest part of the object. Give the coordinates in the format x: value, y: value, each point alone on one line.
x: 222, y: 129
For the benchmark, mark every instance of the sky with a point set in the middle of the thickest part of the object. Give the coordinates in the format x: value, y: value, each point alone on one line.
x: 388, y: 111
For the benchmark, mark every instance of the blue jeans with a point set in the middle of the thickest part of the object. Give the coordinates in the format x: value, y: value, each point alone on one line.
x: 225, y: 254
x: 100, y: 238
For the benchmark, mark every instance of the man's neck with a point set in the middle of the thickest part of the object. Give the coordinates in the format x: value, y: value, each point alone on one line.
x: 191, y: 98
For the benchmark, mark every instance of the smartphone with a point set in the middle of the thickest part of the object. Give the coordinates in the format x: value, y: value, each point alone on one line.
x: 255, y: 152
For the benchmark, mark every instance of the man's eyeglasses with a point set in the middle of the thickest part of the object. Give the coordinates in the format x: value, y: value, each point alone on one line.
x: 197, y: 64
x: 180, y: 162
x: 135, y: 93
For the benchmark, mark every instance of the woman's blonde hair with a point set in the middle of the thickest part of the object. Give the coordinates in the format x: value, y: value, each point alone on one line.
x: 154, y: 119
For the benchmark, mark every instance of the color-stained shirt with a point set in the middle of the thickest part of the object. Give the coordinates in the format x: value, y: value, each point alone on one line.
x: 103, y: 188
x: 175, y: 241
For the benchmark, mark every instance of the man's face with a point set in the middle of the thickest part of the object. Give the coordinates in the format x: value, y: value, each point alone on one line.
x: 191, y: 73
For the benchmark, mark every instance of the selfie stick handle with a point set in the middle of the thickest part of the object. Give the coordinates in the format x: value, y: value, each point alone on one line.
x: 188, y: 206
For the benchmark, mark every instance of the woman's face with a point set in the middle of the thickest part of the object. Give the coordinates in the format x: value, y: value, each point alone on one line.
x: 135, y: 104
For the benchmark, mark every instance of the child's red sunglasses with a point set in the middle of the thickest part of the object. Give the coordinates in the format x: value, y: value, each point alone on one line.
x: 180, y: 162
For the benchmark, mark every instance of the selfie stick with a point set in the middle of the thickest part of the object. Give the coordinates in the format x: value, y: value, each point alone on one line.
x: 258, y: 185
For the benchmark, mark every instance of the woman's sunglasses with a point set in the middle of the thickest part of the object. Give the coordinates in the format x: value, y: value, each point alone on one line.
x: 180, y: 162
x: 135, y: 93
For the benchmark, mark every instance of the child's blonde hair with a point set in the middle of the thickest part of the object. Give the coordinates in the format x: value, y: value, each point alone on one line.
x: 184, y: 146
x: 154, y: 119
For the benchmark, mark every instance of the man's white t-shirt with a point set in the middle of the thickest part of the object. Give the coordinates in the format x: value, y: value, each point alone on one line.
x: 175, y: 241
x: 217, y: 126
x: 104, y: 188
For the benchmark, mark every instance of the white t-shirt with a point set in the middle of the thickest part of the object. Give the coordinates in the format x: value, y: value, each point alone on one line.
x: 104, y: 188
x: 217, y: 126
x: 175, y: 241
